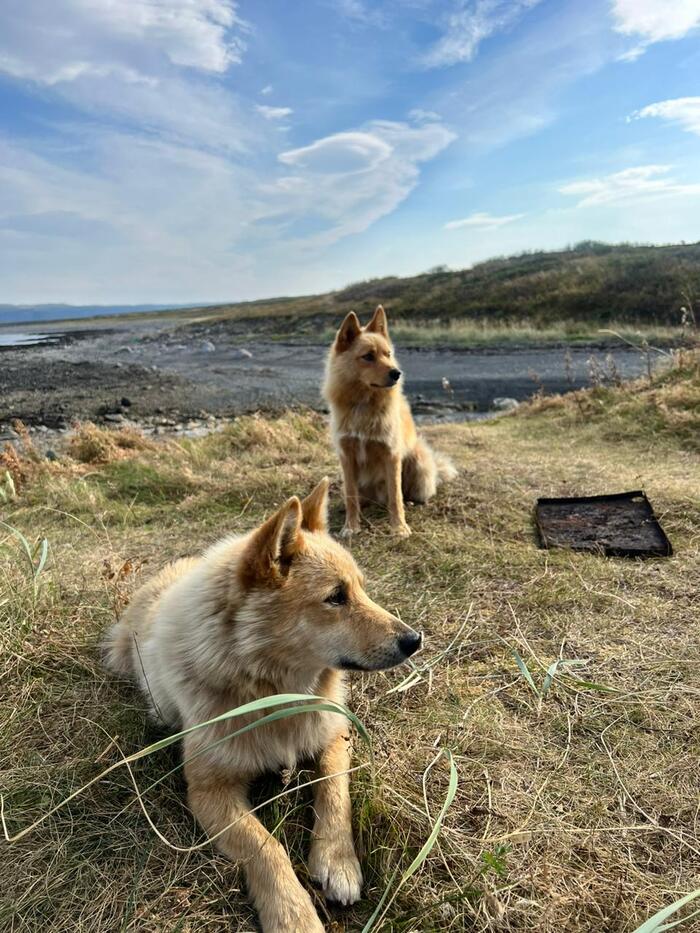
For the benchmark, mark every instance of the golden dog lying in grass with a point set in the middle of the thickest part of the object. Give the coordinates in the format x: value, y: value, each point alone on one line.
x: 281, y: 609
x: 383, y: 458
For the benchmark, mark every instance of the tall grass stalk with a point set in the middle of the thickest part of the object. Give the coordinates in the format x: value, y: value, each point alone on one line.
x: 256, y: 706
x: 385, y: 901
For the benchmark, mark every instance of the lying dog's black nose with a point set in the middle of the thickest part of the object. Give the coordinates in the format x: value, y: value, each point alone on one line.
x: 410, y: 643
x: 394, y: 375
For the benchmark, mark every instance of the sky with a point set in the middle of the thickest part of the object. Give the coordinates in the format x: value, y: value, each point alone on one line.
x: 221, y: 150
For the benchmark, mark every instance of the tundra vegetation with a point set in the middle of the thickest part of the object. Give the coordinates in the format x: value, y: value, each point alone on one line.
x: 565, y: 686
x: 563, y: 296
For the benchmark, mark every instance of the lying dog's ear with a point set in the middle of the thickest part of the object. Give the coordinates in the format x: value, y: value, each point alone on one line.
x: 378, y: 324
x: 314, y: 509
x: 349, y: 331
x: 273, y: 545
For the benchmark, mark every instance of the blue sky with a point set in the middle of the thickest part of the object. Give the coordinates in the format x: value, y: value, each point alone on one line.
x: 207, y: 150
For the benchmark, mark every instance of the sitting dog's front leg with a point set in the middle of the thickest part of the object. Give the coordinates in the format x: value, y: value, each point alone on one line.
x: 282, y: 904
x: 397, y: 516
x: 332, y: 862
x: 348, y: 460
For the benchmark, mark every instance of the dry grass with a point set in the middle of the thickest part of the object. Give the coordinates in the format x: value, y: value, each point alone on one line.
x: 90, y: 444
x: 577, y: 807
x: 475, y: 332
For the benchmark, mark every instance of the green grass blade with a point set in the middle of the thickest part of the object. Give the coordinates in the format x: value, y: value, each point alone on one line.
x: 592, y: 685
x: 656, y: 923
x: 270, y: 717
x: 22, y: 540
x: 323, y: 704
x: 549, y: 677
x: 425, y: 849
x: 525, y: 672
x: 255, y: 706
x: 43, y: 554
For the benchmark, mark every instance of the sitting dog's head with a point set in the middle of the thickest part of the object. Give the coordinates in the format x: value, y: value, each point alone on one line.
x: 307, y: 596
x: 365, y: 354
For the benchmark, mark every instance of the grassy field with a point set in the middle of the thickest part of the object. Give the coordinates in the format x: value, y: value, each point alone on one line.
x: 577, y: 800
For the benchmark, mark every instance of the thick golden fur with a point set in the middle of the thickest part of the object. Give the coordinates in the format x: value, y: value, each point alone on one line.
x: 279, y: 610
x: 383, y: 458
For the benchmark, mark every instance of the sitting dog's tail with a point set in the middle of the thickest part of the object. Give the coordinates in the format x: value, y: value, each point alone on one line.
x: 446, y: 470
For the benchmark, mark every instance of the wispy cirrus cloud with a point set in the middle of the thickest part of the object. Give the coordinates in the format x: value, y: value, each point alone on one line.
x: 468, y: 24
x: 650, y: 21
x: 640, y: 182
x: 684, y: 111
x: 483, y: 221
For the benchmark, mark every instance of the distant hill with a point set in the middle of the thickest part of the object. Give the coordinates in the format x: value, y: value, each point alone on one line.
x: 594, y: 283
x: 590, y: 282
x: 31, y: 314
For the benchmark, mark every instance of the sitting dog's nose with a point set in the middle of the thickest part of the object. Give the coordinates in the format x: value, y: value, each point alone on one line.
x: 410, y: 643
x: 394, y: 375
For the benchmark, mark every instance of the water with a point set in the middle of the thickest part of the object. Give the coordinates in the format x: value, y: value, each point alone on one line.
x: 25, y: 339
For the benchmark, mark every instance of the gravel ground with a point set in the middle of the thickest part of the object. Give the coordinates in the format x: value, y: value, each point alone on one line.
x: 150, y: 370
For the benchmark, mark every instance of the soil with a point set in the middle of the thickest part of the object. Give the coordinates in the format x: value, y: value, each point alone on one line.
x: 146, y: 370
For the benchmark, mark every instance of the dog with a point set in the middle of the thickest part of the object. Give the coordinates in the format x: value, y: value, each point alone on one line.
x: 282, y: 609
x: 382, y: 456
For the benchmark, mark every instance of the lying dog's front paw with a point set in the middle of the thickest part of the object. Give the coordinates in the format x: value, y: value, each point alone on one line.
x: 337, y: 872
x: 292, y: 914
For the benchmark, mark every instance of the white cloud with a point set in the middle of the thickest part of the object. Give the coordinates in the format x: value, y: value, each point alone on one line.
x: 423, y: 116
x: 682, y: 110
x: 631, y: 184
x: 268, y: 89
x: 342, y: 153
x: 483, y: 221
x: 650, y: 21
x: 359, y: 12
x: 134, y: 37
x: 345, y: 182
x: 146, y: 62
x: 468, y: 25
x: 274, y: 113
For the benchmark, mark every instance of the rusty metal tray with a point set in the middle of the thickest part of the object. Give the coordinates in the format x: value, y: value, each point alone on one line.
x: 620, y: 525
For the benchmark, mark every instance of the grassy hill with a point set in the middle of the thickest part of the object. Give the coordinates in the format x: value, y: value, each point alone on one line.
x: 565, y: 293
x: 590, y: 283
x: 643, y: 285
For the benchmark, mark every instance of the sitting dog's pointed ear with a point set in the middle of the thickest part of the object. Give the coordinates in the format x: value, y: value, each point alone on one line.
x: 349, y: 330
x: 378, y: 324
x: 314, y: 509
x: 272, y: 546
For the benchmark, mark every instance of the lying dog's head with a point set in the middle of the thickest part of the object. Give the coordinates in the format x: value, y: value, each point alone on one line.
x: 304, y: 596
x: 365, y: 354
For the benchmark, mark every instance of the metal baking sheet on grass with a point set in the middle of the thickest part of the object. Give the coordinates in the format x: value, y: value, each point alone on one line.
x: 622, y: 525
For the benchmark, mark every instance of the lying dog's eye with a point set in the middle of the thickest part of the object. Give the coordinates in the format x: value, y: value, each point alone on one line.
x: 368, y: 357
x: 338, y: 597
